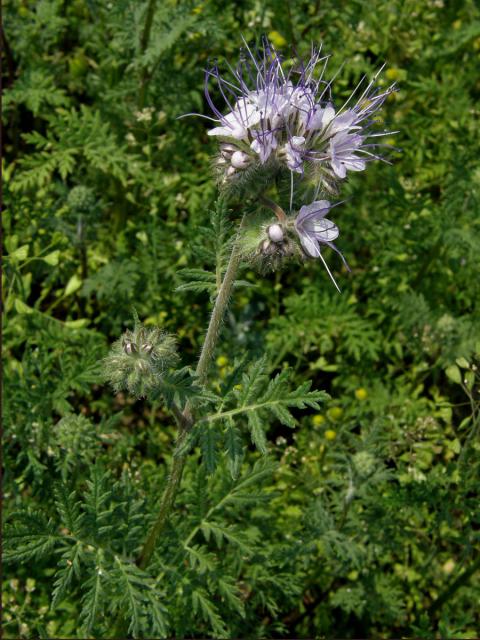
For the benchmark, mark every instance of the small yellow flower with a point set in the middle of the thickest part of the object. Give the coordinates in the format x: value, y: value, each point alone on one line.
x: 395, y: 74
x: 30, y: 586
x: 457, y: 24
x: 222, y: 361
x: 335, y: 413
x: 391, y: 74
x: 277, y: 39
x: 238, y: 387
x: 361, y: 394
x: 318, y: 420
x: 330, y: 434
x: 449, y: 566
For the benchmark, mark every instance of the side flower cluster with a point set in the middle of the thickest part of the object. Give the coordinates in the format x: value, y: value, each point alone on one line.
x: 302, y: 234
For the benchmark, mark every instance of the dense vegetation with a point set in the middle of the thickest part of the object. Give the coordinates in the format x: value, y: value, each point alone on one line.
x: 363, y: 519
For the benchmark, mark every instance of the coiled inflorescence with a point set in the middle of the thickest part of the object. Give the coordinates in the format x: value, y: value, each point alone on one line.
x: 280, y: 119
x: 301, y: 233
x: 138, y: 361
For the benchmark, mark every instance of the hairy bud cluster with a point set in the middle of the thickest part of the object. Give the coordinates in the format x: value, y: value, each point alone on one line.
x: 138, y: 361
x: 301, y: 234
x: 269, y: 246
x: 364, y: 463
x: 231, y: 159
x: 81, y: 199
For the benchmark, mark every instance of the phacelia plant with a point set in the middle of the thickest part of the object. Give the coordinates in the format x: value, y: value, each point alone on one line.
x: 284, y: 149
x: 279, y: 126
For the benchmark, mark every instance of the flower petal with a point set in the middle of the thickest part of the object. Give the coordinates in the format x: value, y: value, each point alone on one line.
x: 342, y: 122
x: 309, y: 244
x: 339, y: 169
x: 324, y: 230
x: 316, y: 209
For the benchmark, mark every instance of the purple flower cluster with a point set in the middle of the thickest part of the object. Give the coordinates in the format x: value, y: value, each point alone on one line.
x: 289, y: 118
x: 278, y: 119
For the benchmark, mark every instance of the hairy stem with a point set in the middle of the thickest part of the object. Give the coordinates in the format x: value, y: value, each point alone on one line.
x: 166, y: 505
x: 185, y: 420
x: 218, y: 312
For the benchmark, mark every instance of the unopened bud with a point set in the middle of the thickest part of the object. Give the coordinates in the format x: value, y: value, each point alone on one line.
x: 226, y: 150
x: 155, y: 353
x: 275, y: 233
x: 240, y: 160
x: 129, y: 347
x: 81, y: 199
x: 364, y: 463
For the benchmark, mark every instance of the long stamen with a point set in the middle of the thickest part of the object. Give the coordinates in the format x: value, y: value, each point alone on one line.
x: 328, y: 271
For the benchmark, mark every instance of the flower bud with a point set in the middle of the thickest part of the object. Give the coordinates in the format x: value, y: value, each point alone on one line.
x: 240, y: 160
x: 129, y: 347
x: 364, y: 463
x: 274, y: 250
x: 226, y: 150
x: 147, y: 347
x: 275, y: 232
x: 81, y: 199
x: 268, y: 245
x: 138, y: 361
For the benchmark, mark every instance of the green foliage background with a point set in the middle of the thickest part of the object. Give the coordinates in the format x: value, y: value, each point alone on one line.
x: 364, y: 520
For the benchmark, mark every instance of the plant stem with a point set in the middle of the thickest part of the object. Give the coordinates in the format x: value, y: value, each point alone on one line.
x: 218, y: 312
x: 185, y: 419
x: 166, y: 505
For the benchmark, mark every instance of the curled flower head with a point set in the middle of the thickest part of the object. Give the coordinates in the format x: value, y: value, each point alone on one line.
x: 287, y: 120
x: 314, y: 229
x: 364, y: 463
x: 138, y: 361
x: 275, y: 247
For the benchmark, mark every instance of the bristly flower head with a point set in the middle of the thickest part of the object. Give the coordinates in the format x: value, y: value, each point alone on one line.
x: 276, y: 119
x: 138, y: 361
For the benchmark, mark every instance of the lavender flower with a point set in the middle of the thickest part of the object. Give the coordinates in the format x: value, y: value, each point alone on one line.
x: 314, y: 229
x: 278, y: 119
